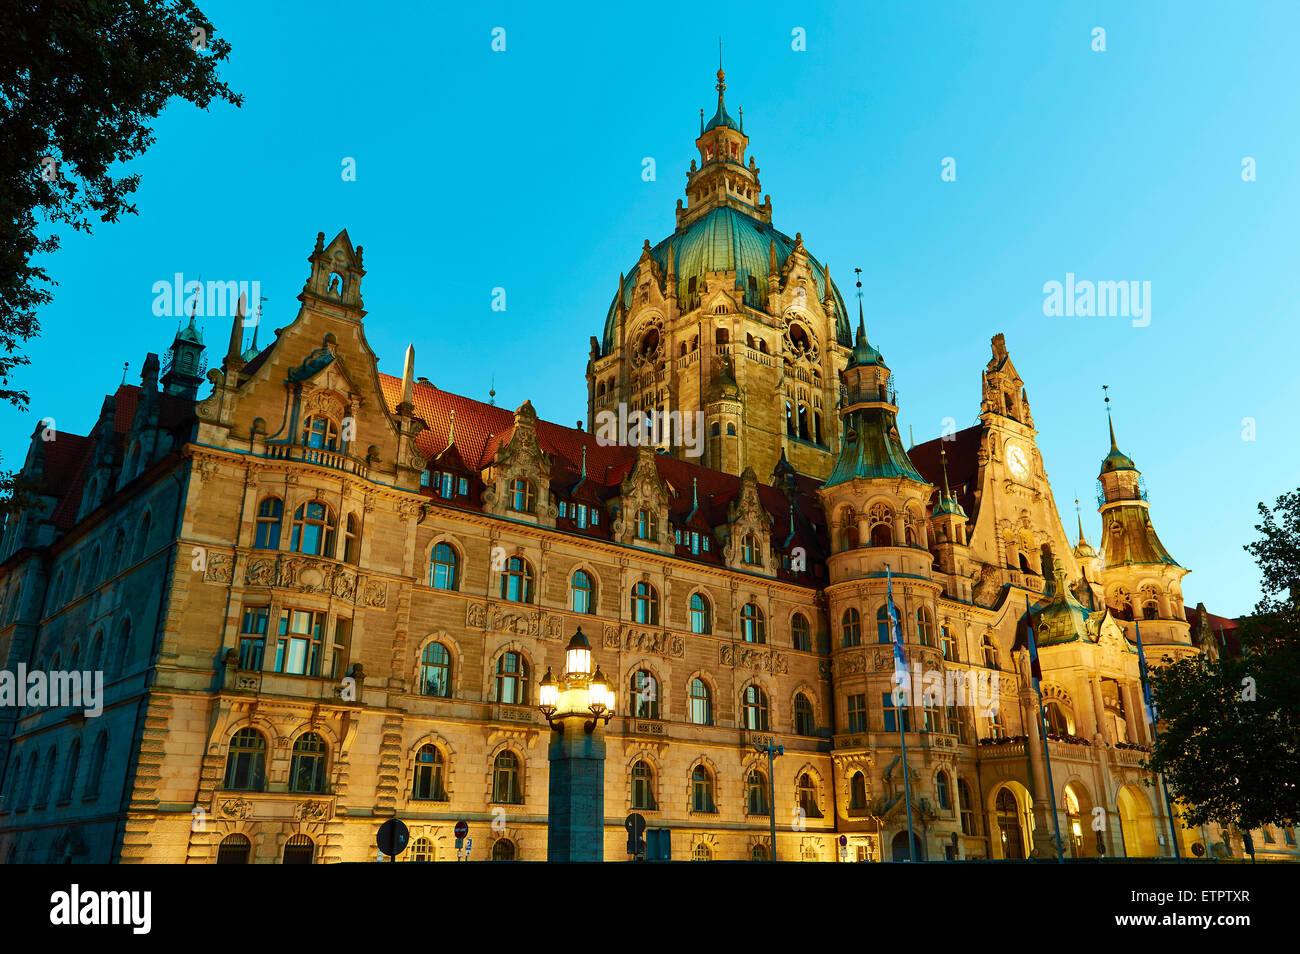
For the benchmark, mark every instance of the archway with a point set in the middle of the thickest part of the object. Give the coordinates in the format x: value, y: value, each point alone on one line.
x: 1136, y: 824
x: 1008, y: 829
x: 1080, y: 839
x: 898, y: 847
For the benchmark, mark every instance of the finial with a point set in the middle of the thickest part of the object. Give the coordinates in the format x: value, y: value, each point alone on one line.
x: 451, y: 429
x: 492, y: 391
x: 862, y: 322
x: 408, y: 377
x: 911, y: 438
x: 943, y: 462
x: 701, y: 120
x: 742, y: 126
x: 1079, y: 514
x: 1106, y: 389
x: 584, y: 460
x: 125, y: 365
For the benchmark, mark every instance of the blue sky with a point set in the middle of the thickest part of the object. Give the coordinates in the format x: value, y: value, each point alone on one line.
x: 522, y: 170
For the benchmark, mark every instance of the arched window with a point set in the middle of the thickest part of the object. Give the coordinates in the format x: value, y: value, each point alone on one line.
x: 421, y: 850
x: 701, y: 614
x: 756, y: 793
x: 645, y: 604
x: 701, y: 852
x: 701, y: 702
x: 647, y: 527
x: 754, y: 709
x: 582, y: 592
x: 308, y: 768
x: 805, y: 722
x: 234, y: 850
x: 644, y: 694
x: 119, y: 553
x: 299, y: 850
x: 758, y: 853
x: 851, y: 624
x: 857, y: 792
x: 444, y: 568
x: 351, y: 539
x: 246, y: 762
x: 1058, y: 722
x: 512, y: 679
x: 506, y: 789
x: 503, y: 849
x: 269, y: 514
x: 990, y: 652
x: 966, y: 809
x: 800, y: 633
x: 94, y: 656
x: 806, y: 791
x: 882, y: 535
x: 702, y: 790
x: 948, y: 643
x: 643, y: 794
x: 435, y: 671
x: 752, y: 629
x: 924, y: 626
x: 789, y: 420
x: 142, y: 537
x: 750, y: 553
x: 523, y: 498
x: 941, y: 791
x: 1008, y: 816
x: 803, y: 422
x: 313, y: 530
x: 428, y: 782
x: 517, y: 581
x: 320, y: 432
x: 70, y: 771
x: 97, y: 757
x: 884, y: 631
x: 47, y: 777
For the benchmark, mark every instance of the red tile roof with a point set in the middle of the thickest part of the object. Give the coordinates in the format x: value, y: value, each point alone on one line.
x: 962, y: 451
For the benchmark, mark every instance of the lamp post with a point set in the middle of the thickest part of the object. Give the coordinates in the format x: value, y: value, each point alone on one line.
x: 577, y: 707
x: 771, y: 751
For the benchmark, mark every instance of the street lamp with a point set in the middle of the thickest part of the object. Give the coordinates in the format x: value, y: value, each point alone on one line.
x: 576, y: 808
x: 771, y: 751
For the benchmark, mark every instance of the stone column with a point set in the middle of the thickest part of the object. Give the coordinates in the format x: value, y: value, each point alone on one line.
x: 576, y: 809
x: 1099, y: 709
x: 1130, y: 711
x: 1044, y: 800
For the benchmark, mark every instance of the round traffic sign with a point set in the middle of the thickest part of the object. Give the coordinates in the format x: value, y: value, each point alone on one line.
x: 392, y: 837
x: 844, y: 839
x: 461, y: 829
x: 635, y: 824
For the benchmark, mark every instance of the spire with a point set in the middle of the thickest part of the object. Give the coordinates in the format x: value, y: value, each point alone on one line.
x: 234, y: 353
x: 451, y: 430
x: 721, y: 75
x: 408, y: 377
x: 1079, y: 514
x: 695, y: 499
x: 125, y: 366
x: 943, y: 462
x: 862, y: 321
x: 1106, y: 389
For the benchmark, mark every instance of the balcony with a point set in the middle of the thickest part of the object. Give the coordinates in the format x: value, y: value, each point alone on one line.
x: 318, y: 456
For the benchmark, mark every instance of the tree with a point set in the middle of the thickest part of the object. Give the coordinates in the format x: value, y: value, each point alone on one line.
x: 1230, y: 726
x: 80, y: 83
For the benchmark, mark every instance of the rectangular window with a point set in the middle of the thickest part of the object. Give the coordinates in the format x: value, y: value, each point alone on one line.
x: 932, y: 721
x: 462, y: 487
x: 891, y: 714
x: 252, y: 636
x: 580, y: 514
x: 298, y: 649
x: 446, y: 485
x: 595, y: 516
x: 342, y: 647
x: 424, y: 479
x: 949, y: 646
x: 564, y: 508
x: 858, y: 713
x: 957, y: 725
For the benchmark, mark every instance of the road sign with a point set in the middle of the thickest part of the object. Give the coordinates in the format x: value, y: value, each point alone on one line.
x: 635, y: 825
x: 844, y: 840
x: 461, y: 829
x: 392, y: 837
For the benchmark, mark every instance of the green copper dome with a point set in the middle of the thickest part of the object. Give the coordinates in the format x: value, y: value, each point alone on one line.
x: 721, y: 118
x: 948, y: 505
x: 726, y: 239
x: 871, y: 449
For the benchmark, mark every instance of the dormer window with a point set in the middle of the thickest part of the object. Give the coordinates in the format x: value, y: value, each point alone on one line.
x: 750, y: 552
x: 646, y: 525
x: 320, y: 432
x: 523, y: 497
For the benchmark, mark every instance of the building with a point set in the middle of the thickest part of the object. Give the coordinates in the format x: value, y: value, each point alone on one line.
x: 322, y: 596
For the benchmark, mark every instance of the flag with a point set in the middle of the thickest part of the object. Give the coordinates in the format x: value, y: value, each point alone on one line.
x: 1147, y: 699
x: 1034, y: 668
x: 896, y: 637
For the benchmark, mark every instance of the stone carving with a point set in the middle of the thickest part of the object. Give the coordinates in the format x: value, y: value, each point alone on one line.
x: 311, y: 811
x: 758, y: 660
x: 513, y: 623
x: 659, y: 643
x: 612, y: 638
x: 475, y: 615
x: 236, y: 808
x: 261, y: 573
x: 554, y: 628
x: 376, y: 593
x: 220, y: 568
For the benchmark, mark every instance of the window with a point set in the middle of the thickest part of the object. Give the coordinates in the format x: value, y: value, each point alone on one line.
x: 851, y: 626
x: 351, y: 539
x: 645, y: 695
x: 517, y: 581
x: 754, y: 709
x: 298, y: 648
x: 891, y: 714
x: 142, y: 537
x: 701, y: 852
x: 582, y: 592
x: 884, y: 632
x: 299, y: 850
x: 931, y: 717
x: 443, y: 568
x: 858, y: 712
x: 505, y: 779
x: 320, y: 432
x: 313, y: 530
x: 97, y: 757
x: 643, y: 796
x: 252, y: 636
x: 997, y: 729
x: 957, y: 725
x: 805, y: 723
x: 646, y: 526
x: 341, y: 650
x: 966, y: 809
x: 756, y: 793
x: 47, y: 777
x: 428, y: 782
x: 924, y: 626
x: 701, y: 614
x: 857, y: 792
x: 512, y: 679
x: 759, y: 851
x: 701, y: 702
x: 702, y: 790
x: 435, y: 671
x: 948, y: 643
x: 806, y: 791
x: 421, y: 850
x: 234, y: 850
x: 523, y: 497
x: 645, y: 604
x: 941, y: 792
x: 801, y: 634
x: 1008, y: 818
x: 751, y: 624
x: 245, y: 762
x: 750, y: 553
x: 307, y: 770
x: 503, y: 849
x: 990, y: 652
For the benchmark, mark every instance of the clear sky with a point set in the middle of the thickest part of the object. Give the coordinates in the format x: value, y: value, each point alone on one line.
x: 522, y: 169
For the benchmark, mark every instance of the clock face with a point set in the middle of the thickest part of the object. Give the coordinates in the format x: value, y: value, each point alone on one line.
x: 1018, y: 461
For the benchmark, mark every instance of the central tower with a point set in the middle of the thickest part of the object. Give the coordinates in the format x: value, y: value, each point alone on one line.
x: 728, y: 317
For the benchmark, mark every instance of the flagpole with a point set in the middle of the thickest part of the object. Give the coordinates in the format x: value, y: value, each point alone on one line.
x: 1035, y: 675
x: 900, y: 665
x: 1155, y: 736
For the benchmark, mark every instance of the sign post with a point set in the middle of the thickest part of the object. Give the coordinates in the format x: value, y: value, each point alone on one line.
x: 635, y: 825
x: 392, y: 838
x: 461, y: 830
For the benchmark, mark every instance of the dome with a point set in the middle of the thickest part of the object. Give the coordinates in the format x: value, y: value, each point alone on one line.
x: 726, y: 239
x: 722, y: 118
x: 1117, y: 460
